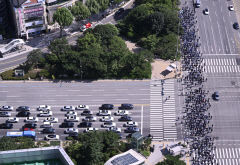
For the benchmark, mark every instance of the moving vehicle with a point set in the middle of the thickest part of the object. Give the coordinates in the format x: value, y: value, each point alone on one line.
x: 85, y: 124
x: 89, y: 118
x: 82, y: 107
x: 71, y: 119
x: 6, y: 108
x: 126, y: 106
x: 45, y: 113
x: 46, y: 125
x: 125, y: 118
x: 90, y: 129
x: 23, y: 114
x: 13, y: 45
x: 104, y: 113
x: 106, y: 119
x: 31, y: 134
x: 67, y: 125
x: 108, y: 124
x: 52, y: 137
x: 48, y: 130
x: 85, y: 27
x: 206, y: 11
x: 43, y: 107
x: 23, y: 108
x: 86, y: 112
x: 130, y: 124
x: 68, y: 108
x: 51, y: 119
x: 215, y: 96
x: 236, y: 25
x: 132, y: 129
x: 115, y: 129
x: 120, y: 11
x: 71, y: 113
x: 5, y: 114
x: 30, y: 125
x: 231, y: 8
x: 121, y: 113
x: 6, y: 126
x: 70, y: 130
x: 197, y: 3
x: 12, y: 120
x: 106, y: 107
x: 31, y: 119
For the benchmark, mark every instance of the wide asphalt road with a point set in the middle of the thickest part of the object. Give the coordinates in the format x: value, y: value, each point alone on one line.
x: 93, y: 94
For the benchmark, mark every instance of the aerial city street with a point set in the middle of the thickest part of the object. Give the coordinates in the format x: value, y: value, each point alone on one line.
x: 168, y: 72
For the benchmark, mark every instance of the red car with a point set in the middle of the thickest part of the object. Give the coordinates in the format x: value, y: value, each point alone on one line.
x: 86, y: 26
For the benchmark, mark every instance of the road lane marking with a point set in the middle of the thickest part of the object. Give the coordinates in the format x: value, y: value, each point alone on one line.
x: 213, y: 35
x: 227, y: 36
x: 142, y: 120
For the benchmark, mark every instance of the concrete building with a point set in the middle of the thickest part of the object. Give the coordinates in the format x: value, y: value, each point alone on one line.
x: 29, y: 16
x: 4, y: 21
x: 35, y: 156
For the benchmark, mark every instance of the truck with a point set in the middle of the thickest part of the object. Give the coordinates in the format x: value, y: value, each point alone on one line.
x: 31, y: 134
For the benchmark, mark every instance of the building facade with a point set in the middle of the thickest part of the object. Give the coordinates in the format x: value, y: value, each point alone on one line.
x: 30, y: 17
x: 4, y: 22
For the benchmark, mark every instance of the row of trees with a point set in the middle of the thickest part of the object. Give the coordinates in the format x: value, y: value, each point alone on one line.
x: 154, y: 26
x: 100, y: 53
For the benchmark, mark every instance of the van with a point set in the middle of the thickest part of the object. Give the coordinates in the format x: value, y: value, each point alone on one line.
x: 197, y: 4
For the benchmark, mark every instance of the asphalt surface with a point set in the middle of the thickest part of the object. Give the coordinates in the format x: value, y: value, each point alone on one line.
x: 93, y: 94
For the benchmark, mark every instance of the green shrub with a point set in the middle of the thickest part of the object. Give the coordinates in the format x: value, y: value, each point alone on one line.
x: 54, y: 143
x: 145, y: 153
x: 9, y: 75
x: 44, y: 73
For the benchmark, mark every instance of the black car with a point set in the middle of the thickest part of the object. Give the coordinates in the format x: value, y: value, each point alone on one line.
x: 67, y: 125
x: 89, y: 118
x: 30, y: 125
x: 85, y: 124
x: 132, y: 130
x: 120, y: 11
x: 125, y: 118
x: 126, y: 106
x: 23, y: 114
x: 48, y: 130
x: 106, y: 107
x: 73, y: 135
x: 215, y: 96
x: 23, y: 108
x: 86, y: 112
x: 6, y: 126
x: 236, y: 26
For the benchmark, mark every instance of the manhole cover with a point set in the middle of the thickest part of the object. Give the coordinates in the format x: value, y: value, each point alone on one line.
x: 238, y: 61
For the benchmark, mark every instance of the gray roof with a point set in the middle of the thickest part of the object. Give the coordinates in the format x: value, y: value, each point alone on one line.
x: 18, y: 3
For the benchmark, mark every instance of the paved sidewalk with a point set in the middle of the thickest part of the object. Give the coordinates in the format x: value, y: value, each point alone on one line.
x: 155, y: 156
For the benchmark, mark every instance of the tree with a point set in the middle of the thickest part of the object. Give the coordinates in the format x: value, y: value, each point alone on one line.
x: 172, y: 160
x: 80, y: 11
x: 34, y: 58
x: 105, y: 32
x: 93, y: 6
x: 156, y: 22
x: 8, y: 143
x: 103, y: 4
x: 63, y: 17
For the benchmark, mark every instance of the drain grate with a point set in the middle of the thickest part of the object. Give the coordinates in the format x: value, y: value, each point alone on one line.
x: 238, y: 61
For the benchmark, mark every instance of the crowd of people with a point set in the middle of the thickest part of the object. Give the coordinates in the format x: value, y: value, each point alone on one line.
x: 196, y: 118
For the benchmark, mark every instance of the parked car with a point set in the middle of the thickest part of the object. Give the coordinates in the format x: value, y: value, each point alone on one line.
x: 68, y: 108
x: 5, y: 114
x: 43, y: 107
x: 121, y: 113
x: 30, y: 125
x: 120, y: 11
x: 115, y: 129
x: 23, y: 108
x: 126, y: 106
x: 52, y: 137
x: 107, y: 107
x: 130, y: 124
x: 104, y: 113
x: 82, y: 107
x: 23, y: 114
x: 70, y: 130
x: 125, y: 118
x: 89, y: 118
x: 90, y: 129
x: 46, y: 125
x: 132, y: 129
x: 12, y: 120
x: 6, y: 108
x: 106, y: 119
x: 71, y: 119
x: 108, y: 124
x: 31, y: 119
x: 6, y: 126
x: 51, y: 119
x: 71, y: 113
x: 48, y: 130
x: 236, y: 25
x: 231, y: 8
x: 85, y: 124
x: 73, y: 135
x: 86, y: 112
x: 45, y: 113
x: 67, y: 125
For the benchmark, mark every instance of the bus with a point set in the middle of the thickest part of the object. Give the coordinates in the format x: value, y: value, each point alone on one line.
x: 31, y: 134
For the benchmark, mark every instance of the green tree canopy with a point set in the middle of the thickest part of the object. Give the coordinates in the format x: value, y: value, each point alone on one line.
x: 34, y: 59
x: 8, y: 143
x: 63, y: 17
x: 105, y: 32
x: 93, y: 6
x: 80, y: 11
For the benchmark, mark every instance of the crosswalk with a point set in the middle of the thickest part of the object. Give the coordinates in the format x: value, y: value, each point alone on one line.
x: 221, y: 65
x: 162, y: 111
x: 227, y: 156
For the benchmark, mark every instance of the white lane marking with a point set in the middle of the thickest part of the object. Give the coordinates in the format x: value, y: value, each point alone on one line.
x: 227, y: 37
x: 206, y: 36
x: 13, y: 96
x: 142, y: 120
x: 213, y: 36
x: 3, y: 91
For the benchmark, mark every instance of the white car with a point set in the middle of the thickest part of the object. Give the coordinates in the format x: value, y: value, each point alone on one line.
x: 106, y: 119
x: 47, y: 125
x: 31, y: 119
x: 121, y: 113
x: 104, y: 113
x: 89, y: 118
x: 71, y: 130
x: 231, y: 8
x: 72, y: 119
x: 115, y: 129
x: 52, y: 137
x: 51, y: 119
x: 90, y: 129
x: 108, y: 124
x: 82, y: 107
x: 68, y: 108
x: 43, y: 107
x: 45, y: 114
x: 206, y: 11
x: 71, y: 113
x: 130, y: 124
x: 6, y: 108
x: 12, y: 120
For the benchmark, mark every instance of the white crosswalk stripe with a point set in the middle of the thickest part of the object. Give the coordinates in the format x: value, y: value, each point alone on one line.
x: 226, y: 65
x: 227, y: 156
x: 162, y: 111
